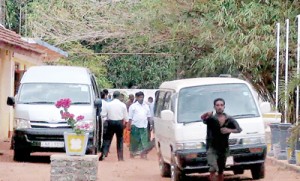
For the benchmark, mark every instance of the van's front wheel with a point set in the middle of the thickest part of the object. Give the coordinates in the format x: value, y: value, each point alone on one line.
x: 176, y: 173
x: 21, y: 155
x: 258, y: 171
x: 238, y: 171
x: 165, y: 169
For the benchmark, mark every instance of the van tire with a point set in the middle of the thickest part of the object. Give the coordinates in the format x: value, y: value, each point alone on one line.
x: 21, y: 155
x: 258, y: 171
x: 92, y: 151
x: 164, y: 168
x: 176, y: 173
x: 238, y: 171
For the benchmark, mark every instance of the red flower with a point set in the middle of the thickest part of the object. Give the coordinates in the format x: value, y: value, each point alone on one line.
x: 65, y: 103
x: 78, y: 127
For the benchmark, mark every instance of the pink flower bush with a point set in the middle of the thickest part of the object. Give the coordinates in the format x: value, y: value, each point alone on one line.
x: 77, y: 125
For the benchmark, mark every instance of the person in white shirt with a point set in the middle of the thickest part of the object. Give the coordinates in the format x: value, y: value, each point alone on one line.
x: 116, y: 113
x: 151, y: 105
x: 150, y: 124
x: 139, y: 116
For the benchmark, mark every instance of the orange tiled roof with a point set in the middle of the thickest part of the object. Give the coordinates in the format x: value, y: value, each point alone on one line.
x: 10, y: 37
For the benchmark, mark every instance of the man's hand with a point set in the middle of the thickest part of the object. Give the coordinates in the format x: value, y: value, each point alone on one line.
x: 206, y: 115
x: 226, y: 130
x: 151, y: 127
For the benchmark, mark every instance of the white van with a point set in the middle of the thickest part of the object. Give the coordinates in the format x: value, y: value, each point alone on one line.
x: 38, y: 126
x: 180, y: 134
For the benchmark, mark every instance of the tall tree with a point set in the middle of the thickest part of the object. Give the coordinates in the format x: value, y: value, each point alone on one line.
x: 204, y: 38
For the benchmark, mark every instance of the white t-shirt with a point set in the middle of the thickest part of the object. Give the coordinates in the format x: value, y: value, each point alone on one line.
x: 139, y: 114
x: 151, y: 106
x: 115, y: 110
x: 104, y: 110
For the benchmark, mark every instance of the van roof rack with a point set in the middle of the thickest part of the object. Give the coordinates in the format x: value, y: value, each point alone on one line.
x: 224, y: 75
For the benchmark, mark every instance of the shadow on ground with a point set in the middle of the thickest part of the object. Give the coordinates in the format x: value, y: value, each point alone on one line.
x: 228, y: 177
x: 39, y: 159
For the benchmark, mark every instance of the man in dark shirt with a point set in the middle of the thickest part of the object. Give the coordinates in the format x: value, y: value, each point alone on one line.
x: 219, y: 127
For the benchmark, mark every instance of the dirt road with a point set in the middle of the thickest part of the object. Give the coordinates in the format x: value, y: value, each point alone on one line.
x: 38, y: 169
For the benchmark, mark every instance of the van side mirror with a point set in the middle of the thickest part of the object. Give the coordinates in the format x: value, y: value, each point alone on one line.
x: 265, y: 107
x: 10, y: 101
x: 167, y: 115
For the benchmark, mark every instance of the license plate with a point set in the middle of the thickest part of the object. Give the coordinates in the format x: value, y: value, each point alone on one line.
x: 229, y: 161
x: 255, y: 150
x: 52, y: 144
x: 192, y: 155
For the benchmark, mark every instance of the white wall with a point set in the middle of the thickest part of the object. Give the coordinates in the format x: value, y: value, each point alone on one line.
x: 147, y: 92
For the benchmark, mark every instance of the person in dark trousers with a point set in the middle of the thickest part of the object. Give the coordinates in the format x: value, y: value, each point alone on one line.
x: 103, y: 118
x: 219, y: 127
x: 116, y: 113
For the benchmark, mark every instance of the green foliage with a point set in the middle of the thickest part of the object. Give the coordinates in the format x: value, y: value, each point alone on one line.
x: 12, y: 14
x: 196, y: 38
x: 81, y: 56
x: 207, y: 38
x: 54, y: 21
x: 141, y: 71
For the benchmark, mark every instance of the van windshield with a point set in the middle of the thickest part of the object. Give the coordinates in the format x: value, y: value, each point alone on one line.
x: 194, y: 101
x: 49, y: 93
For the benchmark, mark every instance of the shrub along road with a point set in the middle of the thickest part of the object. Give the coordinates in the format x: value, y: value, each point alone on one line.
x: 110, y: 169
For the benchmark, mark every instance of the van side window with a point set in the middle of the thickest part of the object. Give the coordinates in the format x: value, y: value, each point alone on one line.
x: 167, y: 101
x: 159, y: 102
x: 173, y: 102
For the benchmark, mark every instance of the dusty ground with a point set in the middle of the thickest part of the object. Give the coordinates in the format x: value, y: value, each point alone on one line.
x: 38, y: 169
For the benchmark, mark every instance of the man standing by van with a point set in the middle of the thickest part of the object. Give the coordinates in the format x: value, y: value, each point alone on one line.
x: 116, y: 113
x: 219, y: 127
x: 139, y: 116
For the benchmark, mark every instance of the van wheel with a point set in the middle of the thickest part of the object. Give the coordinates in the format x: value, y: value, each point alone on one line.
x: 176, y: 173
x: 238, y: 171
x: 258, y: 171
x: 165, y: 169
x: 21, y: 155
x: 91, y: 151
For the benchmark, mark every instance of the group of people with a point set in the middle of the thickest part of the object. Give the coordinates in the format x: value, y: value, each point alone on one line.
x: 134, y: 117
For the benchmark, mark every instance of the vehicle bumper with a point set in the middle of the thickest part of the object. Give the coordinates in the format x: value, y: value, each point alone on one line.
x: 195, y: 161
x: 31, y: 139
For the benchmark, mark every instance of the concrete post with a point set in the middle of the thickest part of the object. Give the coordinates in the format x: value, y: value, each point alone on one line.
x: 283, y: 127
x: 73, y: 168
x: 274, y: 137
